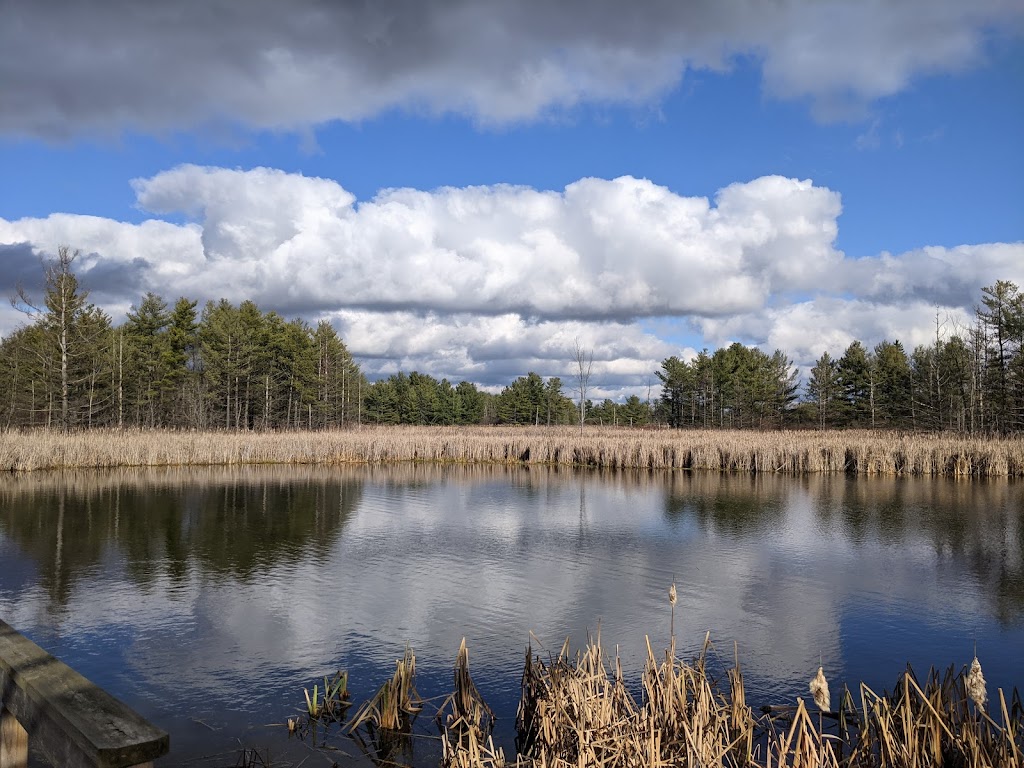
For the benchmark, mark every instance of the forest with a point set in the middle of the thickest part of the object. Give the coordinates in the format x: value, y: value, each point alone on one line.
x: 228, y: 367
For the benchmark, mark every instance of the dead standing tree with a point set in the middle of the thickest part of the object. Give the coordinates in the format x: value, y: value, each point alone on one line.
x: 584, y: 364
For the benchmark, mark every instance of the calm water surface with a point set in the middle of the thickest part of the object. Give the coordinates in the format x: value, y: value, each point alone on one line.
x: 207, y: 599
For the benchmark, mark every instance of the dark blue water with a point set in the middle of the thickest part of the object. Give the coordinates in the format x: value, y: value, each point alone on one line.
x: 207, y: 599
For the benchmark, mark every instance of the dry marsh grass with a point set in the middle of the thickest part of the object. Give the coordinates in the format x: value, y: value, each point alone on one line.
x: 577, y: 711
x: 795, y: 452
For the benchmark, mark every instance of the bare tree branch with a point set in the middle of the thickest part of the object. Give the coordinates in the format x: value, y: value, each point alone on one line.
x: 584, y: 365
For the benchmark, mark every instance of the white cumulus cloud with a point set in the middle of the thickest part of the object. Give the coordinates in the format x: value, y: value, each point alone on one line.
x: 487, y: 283
x: 608, y: 249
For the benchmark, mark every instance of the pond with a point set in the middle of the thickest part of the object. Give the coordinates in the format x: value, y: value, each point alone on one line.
x: 208, y: 599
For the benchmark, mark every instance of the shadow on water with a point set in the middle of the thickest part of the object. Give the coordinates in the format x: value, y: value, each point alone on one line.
x: 229, y: 521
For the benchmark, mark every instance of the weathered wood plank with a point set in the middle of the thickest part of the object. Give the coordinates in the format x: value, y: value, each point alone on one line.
x: 13, y: 742
x: 71, y: 721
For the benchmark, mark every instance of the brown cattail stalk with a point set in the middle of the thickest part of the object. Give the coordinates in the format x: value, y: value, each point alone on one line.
x: 672, y: 622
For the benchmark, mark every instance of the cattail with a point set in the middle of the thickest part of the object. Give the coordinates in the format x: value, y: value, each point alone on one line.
x: 819, y: 689
x: 975, y: 684
x: 672, y: 620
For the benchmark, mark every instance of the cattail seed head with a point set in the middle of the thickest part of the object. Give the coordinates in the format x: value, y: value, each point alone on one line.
x: 672, y: 595
x: 975, y: 684
x: 819, y: 689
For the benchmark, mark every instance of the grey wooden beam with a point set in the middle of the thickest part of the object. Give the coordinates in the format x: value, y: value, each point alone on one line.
x: 71, y: 721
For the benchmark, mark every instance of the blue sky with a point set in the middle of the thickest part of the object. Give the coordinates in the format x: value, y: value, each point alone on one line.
x: 872, y: 155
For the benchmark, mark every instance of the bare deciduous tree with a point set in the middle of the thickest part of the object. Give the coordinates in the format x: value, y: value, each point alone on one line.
x: 584, y: 364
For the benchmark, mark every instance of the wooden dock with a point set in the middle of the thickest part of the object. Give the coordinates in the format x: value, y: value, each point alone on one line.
x: 69, y: 720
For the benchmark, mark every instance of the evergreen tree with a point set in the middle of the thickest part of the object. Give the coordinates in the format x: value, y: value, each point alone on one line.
x: 784, y: 389
x: 183, y: 354
x: 1003, y: 319
x: 426, y: 401
x: 856, y: 385
x: 634, y: 412
x: 558, y: 409
x: 956, y: 361
x: 823, y: 389
x: 71, y: 335
x: 677, y: 390
x: 26, y: 376
x: 892, y: 384
x: 219, y: 336
x: 470, y: 401
x: 523, y: 401
x: 705, y: 395
x: 146, y: 378
x: 381, y: 402
x: 338, y: 378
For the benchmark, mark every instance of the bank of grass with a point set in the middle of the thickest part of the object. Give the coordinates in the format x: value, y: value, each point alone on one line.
x: 790, y: 452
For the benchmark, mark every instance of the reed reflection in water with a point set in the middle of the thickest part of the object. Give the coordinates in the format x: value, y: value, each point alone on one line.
x: 215, y: 594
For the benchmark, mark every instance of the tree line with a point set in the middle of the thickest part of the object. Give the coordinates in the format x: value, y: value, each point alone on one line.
x: 229, y: 367
x: 237, y: 368
x: 968, y: 380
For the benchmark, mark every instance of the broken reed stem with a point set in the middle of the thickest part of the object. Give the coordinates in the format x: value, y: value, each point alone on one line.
x: 396, y: 703
x: 464, y: 712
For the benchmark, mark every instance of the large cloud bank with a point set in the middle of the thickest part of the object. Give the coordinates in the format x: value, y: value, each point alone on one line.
x: 486, y: 283
x: 71, y: 67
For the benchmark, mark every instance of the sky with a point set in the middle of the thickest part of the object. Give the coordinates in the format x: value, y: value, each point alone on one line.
x: 467, y: 189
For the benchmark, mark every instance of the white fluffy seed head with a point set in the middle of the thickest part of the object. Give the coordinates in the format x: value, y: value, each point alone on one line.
x: 672, y: 594
x: 976, y: 684
x: 819, y: 689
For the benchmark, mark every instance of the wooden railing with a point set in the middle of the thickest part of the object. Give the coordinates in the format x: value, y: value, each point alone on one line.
x: 70, y: 721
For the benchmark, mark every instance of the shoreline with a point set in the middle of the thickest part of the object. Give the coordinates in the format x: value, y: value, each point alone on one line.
x: 858, y: 452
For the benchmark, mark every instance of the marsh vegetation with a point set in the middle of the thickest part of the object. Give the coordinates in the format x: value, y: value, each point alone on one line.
x: 861, y: 452
x: 578, y: 709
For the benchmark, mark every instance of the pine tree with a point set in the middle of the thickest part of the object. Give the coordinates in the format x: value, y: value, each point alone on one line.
x: 149, y: 360
x: 183, y: 359
x: 857, y: 386
x: 70, y: 334
x: 892, y: 384
x: 677, y: 384
x: 823, y: 389
x: 1003, y: 318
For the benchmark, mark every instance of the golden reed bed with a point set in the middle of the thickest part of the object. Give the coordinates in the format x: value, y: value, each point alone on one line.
x: 577, y: 711
x: 796, y: 452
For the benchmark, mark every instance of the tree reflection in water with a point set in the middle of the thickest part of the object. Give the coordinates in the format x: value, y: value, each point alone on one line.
x: 229, y: 521
x: 978, y: 523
